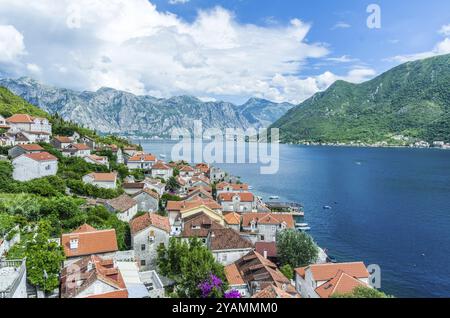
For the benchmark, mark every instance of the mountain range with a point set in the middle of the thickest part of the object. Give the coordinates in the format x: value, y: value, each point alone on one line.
x: 112, y: 111
x: 410, y: 102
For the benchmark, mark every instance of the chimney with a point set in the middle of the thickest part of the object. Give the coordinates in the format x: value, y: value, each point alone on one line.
x: 265, y: 254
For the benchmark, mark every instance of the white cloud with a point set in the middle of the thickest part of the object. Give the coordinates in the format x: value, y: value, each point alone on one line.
x: 130, y: 45
x: 445, y: 30
x: 11, y: 44
x: 178, y: 1
x: 341, y: 25
x: 342, y: 59
x: 442, y: 47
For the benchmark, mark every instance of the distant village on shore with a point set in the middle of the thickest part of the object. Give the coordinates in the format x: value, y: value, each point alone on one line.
x: 160, y: 202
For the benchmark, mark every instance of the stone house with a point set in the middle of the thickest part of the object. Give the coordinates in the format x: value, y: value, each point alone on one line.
x: 124, y: 206
x: 148, y: 200
x: 148, y: 232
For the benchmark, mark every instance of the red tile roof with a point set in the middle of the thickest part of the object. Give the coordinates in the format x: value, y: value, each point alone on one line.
x: 324, y: 272
x: 268, y: 218
x: 342, y: 283
x: 81, y: 146
x: 234, y: 186
x: 31, y: 147
x: 161, y: 166
x: 199, y: 226
x: 227, y: 239
x: 20, y: 119
x: 90, y: 241
x: 187, y: 205
x: 41, y: 156
x: 244, y: 196
x: 122, y: 203
x: 233, y: 275
x: 149, y: 219
x: 103, y: 177
x: 232, y: 218
x: 273, y: 292
x: 142, y: 157
x: 269, y: 247
x: 86, y: 271
x: 187, y: 169
x: 63, y: 139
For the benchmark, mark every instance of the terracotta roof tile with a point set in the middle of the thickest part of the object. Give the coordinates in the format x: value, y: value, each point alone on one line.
x: 90, y: 241
x: 41, y: 156
x: 89, y: 270
x: 20, y: 119
x: 199, y: 226
x: 324, y: 272
x: 142, y: 157
x: 63, y: 139
x: 187, y: 205
x: 228, y: 196
x: 161, y: 166
x: 103, y: 177
x: 273, y: 292
x: 232, y: 218
x: 269, y: 247
x: 150, y: 219
x: 122, y: 203
x: 342, y: 283
x: 227, y: 239
x: 268, y: 218
x: 31, y: 147
x: 81, y: 146
x: 187, y: 169
x: 234, y: 186
x: 233, y: 275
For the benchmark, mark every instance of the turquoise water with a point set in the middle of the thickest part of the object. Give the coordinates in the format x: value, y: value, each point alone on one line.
x: 390, y: 207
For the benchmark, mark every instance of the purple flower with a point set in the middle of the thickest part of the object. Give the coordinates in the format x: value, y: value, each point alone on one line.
x: 216, y: 281
x: 233, y: 294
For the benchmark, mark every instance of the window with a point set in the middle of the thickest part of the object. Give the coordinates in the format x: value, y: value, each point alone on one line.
x: 143, y: 263
x: 224, y: 257
x: 48, y: 167
x: 143, y: 247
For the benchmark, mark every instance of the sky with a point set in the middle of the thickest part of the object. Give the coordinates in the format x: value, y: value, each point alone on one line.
x: 231, y: 50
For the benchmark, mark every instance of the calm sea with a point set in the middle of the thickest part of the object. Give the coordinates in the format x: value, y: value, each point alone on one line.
x: 390, y: 207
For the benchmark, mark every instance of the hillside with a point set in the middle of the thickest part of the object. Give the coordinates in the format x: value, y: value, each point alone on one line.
x: 11, y: 104
x: 411, y: 101
x: 111, y: 111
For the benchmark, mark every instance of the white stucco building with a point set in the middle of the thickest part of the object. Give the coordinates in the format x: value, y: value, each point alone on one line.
x: 101, y: 180
x: 34, y: 165
x: 326, y: 280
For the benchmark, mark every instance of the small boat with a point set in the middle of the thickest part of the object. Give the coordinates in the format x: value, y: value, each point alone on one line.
x: 162, y: 156
x: 327, y: 207
x: 304, y: 229
x: 301, y: 224
x: 274, y: 197
x: 250, y: 187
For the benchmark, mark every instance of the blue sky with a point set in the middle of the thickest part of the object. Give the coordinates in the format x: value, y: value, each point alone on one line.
x: 408, y: 26
x: 229, y: 50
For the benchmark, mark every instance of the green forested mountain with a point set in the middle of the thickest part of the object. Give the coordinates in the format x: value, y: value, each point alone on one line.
x: 411, y: 100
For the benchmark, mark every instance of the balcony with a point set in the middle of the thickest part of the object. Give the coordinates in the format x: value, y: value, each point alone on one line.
x: 11, y: 277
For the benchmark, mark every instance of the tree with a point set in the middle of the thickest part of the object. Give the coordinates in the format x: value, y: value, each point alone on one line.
x: 362, y: 292
x: 189, y: 264
x: 287, y: 271
x: 44, y: 259
x: 296, y: 248
x: 172, y: 185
